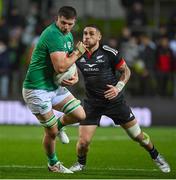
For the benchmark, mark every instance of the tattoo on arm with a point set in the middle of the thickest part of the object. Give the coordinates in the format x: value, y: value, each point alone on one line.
x: 125, y: 73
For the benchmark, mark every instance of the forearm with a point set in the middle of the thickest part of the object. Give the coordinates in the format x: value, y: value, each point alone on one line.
x: 125, y: 76
x: 70, y: 59
x: 62, y: 61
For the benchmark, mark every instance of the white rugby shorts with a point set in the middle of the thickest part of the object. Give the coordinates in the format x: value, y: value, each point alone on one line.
x: 41, y: 101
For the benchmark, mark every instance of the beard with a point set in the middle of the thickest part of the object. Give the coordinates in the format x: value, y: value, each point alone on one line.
x: 64, y: 31
x: 89, y: 45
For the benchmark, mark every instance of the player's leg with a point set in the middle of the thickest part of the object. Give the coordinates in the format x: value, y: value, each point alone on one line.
x: 72, y: 109
x: 86, y: 133
x: 122, y: 114
x: 49, y: 122
x: 64, y: 101
x: 134, y: 131
x: 39, y: 103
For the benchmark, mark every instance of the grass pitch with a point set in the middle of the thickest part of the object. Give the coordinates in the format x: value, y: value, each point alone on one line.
x: 112, y: 154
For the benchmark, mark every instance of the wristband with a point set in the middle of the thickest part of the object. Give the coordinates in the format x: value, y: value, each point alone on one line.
x: 120, y: 85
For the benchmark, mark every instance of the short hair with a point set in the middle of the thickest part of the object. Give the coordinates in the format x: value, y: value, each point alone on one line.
x: 68, y: 12
x: 93, y: 26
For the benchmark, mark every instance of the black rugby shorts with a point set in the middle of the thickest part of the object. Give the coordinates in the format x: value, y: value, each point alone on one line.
x: 119, y: 112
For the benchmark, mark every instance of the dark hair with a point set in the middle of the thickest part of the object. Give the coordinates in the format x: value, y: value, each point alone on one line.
x: 93, y: 26
x: 68, y: 12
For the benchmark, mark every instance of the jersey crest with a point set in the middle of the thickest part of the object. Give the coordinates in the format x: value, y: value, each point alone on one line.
x: 107, y: 48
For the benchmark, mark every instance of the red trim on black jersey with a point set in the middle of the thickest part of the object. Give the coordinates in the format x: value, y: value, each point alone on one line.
x: 122, y: 61
x: 89, y: 55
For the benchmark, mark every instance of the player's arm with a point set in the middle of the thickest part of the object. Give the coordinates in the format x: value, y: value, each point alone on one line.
x: 113, y: 91
x: 73, y: 80
x: 125, y: 75
x: 62, y: 61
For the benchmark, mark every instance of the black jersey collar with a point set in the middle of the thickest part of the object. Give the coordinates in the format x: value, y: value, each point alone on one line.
x: 88, y: 55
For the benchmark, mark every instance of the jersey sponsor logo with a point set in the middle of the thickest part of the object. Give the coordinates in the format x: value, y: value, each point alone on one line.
x: 91, y: 69
x: 107, y: 48
x: 100, y: 56
x: 82, y: 60
x: 100, y: 61
x: 69, y: 45
x: 90, y: 65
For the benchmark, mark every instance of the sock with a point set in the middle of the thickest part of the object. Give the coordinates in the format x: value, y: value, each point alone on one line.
x: 82, y: 159
x: 52, y: 159
x: 59, y: 124
x: 153, y: 153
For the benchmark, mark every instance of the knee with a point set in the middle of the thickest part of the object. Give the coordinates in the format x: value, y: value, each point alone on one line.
x: 137, y: 135
x: 82, y: 116
x: 83, y: 144
x: 134, y: 132
x: 52, y: 134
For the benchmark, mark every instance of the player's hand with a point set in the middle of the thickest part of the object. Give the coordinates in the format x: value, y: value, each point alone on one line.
x: 70, y: 82
x: 80, y: 49
x: 111, y: 93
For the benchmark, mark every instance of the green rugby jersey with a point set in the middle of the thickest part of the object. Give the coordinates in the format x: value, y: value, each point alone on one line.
x: 41, y: 71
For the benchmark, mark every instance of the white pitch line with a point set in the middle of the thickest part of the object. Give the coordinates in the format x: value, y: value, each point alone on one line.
x: 123, y: 169
x: 22, y: 166
x: 44, y: 167
x: 98, y: 138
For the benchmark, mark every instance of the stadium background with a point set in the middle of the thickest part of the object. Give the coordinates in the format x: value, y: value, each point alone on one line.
x: 151, y: 91
x: 138, y: 29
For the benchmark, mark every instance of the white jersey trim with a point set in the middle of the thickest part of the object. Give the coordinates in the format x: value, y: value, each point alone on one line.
x: 107, y: 48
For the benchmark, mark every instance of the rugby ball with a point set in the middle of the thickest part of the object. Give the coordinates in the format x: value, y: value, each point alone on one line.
x: 65, y: 75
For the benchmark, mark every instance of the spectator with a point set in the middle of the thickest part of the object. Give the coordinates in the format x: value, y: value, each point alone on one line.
x: 113, y: 42
x: 172, y: 45
x: 14, y: 18
x: 172, y: 25
x: 16, y: 50
x: 164, y: 60
x: 126, y: 35
x: 4, y: 29
x: 32, y: 20
x: 147, y: 55
x: 4, y: 70
x: 162, y: 31
x: 137, y: 18
x: 130, y: 50
x: 127, y: 3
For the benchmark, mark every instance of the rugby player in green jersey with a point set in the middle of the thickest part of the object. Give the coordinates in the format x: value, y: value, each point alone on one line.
x: 54, y: 54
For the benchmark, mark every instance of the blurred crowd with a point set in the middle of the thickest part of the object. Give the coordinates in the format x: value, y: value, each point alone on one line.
x: 151, y: 56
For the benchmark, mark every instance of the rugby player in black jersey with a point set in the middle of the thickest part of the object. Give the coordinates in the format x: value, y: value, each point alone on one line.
x: 104, y: 96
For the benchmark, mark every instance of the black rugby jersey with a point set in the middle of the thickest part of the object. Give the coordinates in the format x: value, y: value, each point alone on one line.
x: 98, y: 70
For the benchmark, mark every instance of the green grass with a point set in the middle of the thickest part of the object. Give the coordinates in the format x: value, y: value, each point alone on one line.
x: 112, y: 154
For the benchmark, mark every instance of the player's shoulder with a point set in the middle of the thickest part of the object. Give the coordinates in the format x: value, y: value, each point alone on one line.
x: 51, y: 30
x: 109, y: 50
